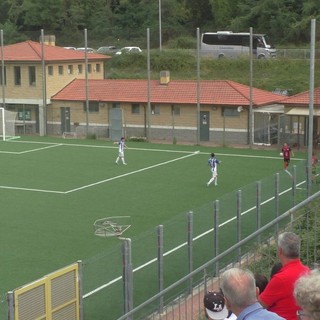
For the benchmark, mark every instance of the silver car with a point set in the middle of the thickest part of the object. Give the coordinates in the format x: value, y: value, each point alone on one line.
x: 126, y: 50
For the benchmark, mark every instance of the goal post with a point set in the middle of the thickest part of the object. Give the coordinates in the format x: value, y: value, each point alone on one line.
x: 7, y: 124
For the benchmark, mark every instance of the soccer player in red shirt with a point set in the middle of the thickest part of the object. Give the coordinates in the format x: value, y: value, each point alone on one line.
x: 287, y: 153
x: 278, y: 294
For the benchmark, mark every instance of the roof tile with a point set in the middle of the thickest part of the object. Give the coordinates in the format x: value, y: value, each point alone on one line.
x: 32, y: 51
x: 215, y: 92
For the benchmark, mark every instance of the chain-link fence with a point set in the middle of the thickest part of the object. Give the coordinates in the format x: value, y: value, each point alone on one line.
x: 178, y: 256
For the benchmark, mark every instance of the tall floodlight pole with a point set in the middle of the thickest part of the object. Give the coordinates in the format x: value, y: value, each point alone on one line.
x: 250, y: 107
x: 311, y: 98
x: 198, y: 86
x: 86, y: 79
x: 148, y: 111
x: 160, y: 27
x: 2, y: 71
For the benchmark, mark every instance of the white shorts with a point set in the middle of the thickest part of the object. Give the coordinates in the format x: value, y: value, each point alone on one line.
x: 214, y: 173
x: 121, y: 154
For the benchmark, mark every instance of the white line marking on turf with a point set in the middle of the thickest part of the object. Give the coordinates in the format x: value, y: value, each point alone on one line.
x: 40, y: 149
x: 102, y: 181
x: 151, y: 150
x: 132, y: 172
x: 32, y: 150
x: 30, y: 189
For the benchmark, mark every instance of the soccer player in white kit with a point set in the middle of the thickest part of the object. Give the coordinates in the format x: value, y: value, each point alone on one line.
x: 121, y: 145
x: 213, y: 163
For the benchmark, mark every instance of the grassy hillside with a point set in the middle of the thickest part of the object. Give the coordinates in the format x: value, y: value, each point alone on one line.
x: 292, y: 74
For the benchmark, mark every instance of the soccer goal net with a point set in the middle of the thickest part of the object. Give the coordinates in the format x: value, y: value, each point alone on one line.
x: 7, y: 124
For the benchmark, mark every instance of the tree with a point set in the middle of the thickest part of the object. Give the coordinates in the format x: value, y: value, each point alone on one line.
x: 46, y: 14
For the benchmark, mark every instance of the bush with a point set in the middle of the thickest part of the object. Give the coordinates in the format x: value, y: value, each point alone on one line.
x: 182, y: 43
x: 138, y: 139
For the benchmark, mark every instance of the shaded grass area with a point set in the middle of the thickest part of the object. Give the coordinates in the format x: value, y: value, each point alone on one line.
x: 58, y: 188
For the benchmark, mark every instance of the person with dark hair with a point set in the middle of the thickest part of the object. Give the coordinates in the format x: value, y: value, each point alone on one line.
x: 122, y: 145
x: 213, y: 163
x: 261, y: 281
x: 240, y: 293
x: 287, y: 153
x: 278, y: 294
x: 275, y: 269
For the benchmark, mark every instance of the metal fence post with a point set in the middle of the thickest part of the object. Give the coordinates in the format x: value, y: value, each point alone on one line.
x: 258, y: 207
x: 276, y: 198
x: 239, y: 198
x: 190, y: 247
x: 127, y: 276
x: 216, y: 232
x: 294, y: 184
x: 160, y: 264
x: 80, y: 281
x: 10, y: 301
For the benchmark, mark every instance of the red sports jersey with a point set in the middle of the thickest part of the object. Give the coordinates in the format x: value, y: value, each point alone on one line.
x: 286, y: 152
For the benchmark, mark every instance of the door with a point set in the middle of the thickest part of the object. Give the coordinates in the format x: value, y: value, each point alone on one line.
x: 204, y: 126
x: 65, y: 119
x: 116, y: 124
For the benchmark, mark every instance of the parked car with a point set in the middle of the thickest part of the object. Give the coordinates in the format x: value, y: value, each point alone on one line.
x: 107, y: 50
x: 70, y: 48
x: 89, y: 50
x: 126, y: 50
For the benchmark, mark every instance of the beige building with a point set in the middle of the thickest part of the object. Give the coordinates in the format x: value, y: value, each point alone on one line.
x: 163, y: 109
x: 31, y: 73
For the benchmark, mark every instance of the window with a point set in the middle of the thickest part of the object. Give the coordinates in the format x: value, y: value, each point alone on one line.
x: 80, y: 68
x: 135, y: 108
x: 4, y: 75
x: 93, y: 106
x: 70, y: 69
x: 17, y: 76
x: 60, y: 70
x: 98, y: 68
x: 175, y: 110
x: 32, y: 76
x: 50, y: 70
x: 24, y: 114
x: 89, y: 68
x: 155, y: 109
x: 115, y: 105
x: 230, y: 112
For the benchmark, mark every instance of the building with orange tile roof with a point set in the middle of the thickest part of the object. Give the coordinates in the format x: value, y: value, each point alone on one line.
x: 33, y: 73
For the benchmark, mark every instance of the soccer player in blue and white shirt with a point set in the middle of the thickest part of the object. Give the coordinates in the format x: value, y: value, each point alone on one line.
x: 213, y: 163
x: 122, y: 146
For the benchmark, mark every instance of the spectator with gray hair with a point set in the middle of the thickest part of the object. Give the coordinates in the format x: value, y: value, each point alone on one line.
x: 307, y: 295
x: 240, y: 292
x: 278, y: 294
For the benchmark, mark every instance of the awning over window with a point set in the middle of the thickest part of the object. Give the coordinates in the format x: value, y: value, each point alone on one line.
x: 302, y: 111
x: 274, y: 108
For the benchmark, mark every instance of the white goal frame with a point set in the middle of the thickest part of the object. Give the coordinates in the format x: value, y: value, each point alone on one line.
x: 8, y: 124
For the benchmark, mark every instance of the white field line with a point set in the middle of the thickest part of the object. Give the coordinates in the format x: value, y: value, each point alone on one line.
x: 102, y: 181
x: 32, y: 150
x: 142, y: 149
x: 183, y: 244
x: 133, y: 172
x: 33, y: 190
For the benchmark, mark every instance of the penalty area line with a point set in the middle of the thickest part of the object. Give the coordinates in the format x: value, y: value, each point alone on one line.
x: 133, y: 172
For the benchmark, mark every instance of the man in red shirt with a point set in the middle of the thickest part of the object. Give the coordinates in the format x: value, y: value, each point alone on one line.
x: 278, y: 294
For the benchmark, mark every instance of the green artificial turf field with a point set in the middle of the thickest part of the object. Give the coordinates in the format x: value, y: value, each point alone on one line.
x: 52, y: 191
